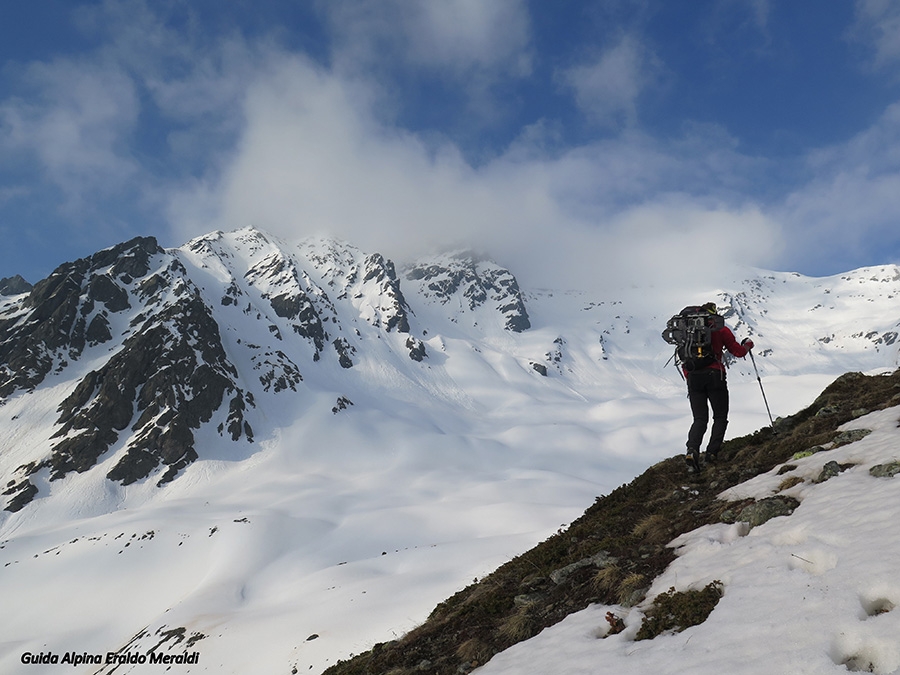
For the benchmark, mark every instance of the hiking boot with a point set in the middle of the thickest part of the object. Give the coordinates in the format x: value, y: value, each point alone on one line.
x: 712, y: 457
x: 692, y: 459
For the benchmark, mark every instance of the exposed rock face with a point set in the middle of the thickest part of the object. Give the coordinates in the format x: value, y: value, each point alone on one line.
x: 172, y: 374
x: 368, y: 282
x: 289, y: 296
x: 51, y: 326
x: 14, y: 285
x: 475, y: 282
x: 167, y: 377
x: 393, y: 310
x: 416, y: 349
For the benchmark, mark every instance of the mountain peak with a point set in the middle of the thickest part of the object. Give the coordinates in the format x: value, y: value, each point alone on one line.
x: 15, y: 285
x: 471, y: 281
x: 149, y: 346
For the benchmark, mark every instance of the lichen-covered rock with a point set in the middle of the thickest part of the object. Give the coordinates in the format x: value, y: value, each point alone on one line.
x: 600, y: 559
x: 829, y: 471
x: 764, y: 510
x: 850, y: 436
x: 888, y: 470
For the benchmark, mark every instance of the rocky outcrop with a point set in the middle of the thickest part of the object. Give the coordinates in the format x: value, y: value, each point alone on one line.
x: 369, y: 282
x: 474, y: 282
x: 57, y: 319
x: 416, y: 349
x: 391, y: 309
x: 281, y: 281
x: 15, y: 285
x: 171, y: 375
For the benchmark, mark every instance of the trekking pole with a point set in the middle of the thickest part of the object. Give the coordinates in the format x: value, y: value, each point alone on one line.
x: 674, y: 356
x: 759, y: 379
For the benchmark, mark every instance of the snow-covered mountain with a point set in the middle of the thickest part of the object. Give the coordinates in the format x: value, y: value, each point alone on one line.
x: 274, y: 455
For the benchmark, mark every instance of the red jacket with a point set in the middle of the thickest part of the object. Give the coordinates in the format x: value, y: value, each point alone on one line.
x: 724, y: 339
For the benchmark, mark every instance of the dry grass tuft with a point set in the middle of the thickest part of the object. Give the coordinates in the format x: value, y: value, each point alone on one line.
x: 631, y: 585
x: 474, y: 651
x: 519, y: 626
x: 607, y: 579
x: 789, y: 482
x: 653, y: 529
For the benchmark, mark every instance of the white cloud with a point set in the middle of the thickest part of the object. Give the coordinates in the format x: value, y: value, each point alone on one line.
x: 683, y: 243
x: 458, y: 36
x: 75, y: 124
x: 850, y: 207
x: 84, y: 121
x: 607, y: 87
x: 299, y: 148
x: 314, y: 159
x: 878, y: 25
x: 463, y: 34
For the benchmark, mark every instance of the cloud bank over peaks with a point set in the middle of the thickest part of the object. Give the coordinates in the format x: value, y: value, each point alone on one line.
x: 314, y: 158
x: 532, y: 135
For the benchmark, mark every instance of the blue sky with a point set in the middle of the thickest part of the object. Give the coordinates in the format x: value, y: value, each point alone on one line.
x: 579, y: 140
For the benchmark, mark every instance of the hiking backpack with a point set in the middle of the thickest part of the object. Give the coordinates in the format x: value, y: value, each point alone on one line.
x: 691, y: 332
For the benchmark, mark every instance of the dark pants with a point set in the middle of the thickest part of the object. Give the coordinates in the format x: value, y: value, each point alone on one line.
x: 707, y: 389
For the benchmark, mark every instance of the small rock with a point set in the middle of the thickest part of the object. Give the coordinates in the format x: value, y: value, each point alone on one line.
x: 601, y: 559
x: 540, y: 368
x: 830, y: 470
x: 888, y: 470
x: 809, y: 452
x: 764, y: 510
x: 826, y: 410
x: 728, y: 517
x: 851, y: 436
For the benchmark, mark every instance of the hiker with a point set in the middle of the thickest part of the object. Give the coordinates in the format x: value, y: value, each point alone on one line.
x: 707, y: 386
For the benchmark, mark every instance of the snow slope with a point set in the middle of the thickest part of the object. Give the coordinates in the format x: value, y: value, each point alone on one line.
x: 338, y: 526
x: 815, y: 592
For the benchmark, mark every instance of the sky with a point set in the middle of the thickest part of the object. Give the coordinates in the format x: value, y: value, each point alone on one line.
x: 577, y: 142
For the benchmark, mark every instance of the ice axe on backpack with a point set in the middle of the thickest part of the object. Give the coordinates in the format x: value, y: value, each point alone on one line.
x: 759, y: 379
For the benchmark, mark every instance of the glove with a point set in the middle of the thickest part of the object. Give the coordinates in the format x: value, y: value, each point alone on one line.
x: 747, y: 344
